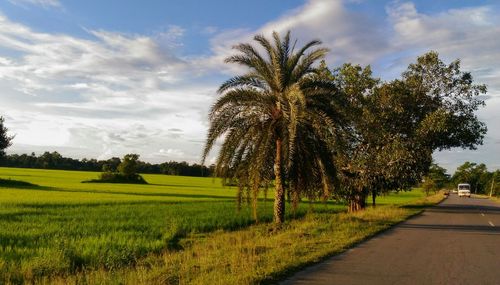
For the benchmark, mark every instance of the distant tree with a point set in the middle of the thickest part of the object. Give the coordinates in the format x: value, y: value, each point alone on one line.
x: 128, y: 165
x: 5, y: 139
x: 438, y: 175
x: 54, y: 160
x: 494, y: 184
x: 428, y: 185
x: 113, y: 163
x: 435, y: 179
x: 278, y: 122
x: 126, y: 172
x: 107, y: 168
x: 476, y: 175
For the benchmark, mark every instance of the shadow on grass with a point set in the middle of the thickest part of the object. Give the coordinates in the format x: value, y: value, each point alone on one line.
x: 9, y: 183
x: 177, y: 185
x: 29, y: 186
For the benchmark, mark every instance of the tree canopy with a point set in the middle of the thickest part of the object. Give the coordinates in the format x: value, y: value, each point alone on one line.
x: 397, y: 125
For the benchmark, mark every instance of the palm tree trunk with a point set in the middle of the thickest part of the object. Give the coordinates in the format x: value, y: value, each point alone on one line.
x: 279, y: 194
x: 255, y: 198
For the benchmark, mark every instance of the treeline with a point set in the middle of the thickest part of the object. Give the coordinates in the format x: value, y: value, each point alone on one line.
x: 54, y: 160
x: 481, y: 180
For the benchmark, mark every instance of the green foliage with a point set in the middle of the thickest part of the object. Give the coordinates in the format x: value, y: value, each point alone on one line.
x: 128, y: 165
x: 278, y: 121
x: 446, y: 98
x: 397, y: 125
x: 428, y: 185
x: 54, y: 160
x: 494, y: 184
x: 438, y: 175
x: 5, y: 139
x: 114, y: 177
x: 476, y: 175
x: 126, y: 172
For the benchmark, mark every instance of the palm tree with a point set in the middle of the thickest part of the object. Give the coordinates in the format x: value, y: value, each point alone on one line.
x: 278, y: 121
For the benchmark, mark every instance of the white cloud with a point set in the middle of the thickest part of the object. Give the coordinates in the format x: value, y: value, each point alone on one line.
x: 108, y: 95
x: 209, y: 30
x: 470, y: 34
x: 43, y: 3
x: 116, y: 93
x: 350, y: 36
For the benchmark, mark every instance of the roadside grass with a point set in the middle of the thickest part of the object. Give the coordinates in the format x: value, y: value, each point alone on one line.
x: 483, y: 196
x: 257, y: 254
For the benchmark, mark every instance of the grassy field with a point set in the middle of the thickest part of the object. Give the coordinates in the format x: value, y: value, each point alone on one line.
x: 95, y: 233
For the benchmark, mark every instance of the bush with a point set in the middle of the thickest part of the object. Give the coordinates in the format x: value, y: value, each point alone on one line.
x: 114, y: 177
x: 126, y: 172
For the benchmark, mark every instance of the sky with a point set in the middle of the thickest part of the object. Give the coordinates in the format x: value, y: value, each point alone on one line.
x: 98, y: 79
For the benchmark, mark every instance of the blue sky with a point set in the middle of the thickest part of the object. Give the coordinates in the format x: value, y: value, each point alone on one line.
x: 105, y: 78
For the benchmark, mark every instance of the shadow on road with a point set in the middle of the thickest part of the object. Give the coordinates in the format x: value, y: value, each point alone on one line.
x: 460, y: 228
x: 460, y: 209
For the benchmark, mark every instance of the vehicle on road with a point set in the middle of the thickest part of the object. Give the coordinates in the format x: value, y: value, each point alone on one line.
x: 463, y: 190
x: 446, y: 193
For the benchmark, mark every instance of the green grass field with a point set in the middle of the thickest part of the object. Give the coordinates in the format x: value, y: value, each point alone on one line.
x: 61, y: 226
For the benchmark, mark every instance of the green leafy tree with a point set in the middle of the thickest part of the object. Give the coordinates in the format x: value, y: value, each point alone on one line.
x: 397, y: 125
x: 429, y: 185
x: 126, y: 172
x: 357, y: 162
x: 463, y: 174
x: 128, y: 166
x: 443, y: 101
x: 5, y: 139
x: 494, y: 184
x: 435, y: 179
x: 475, y: 174
x: 438, y: 175
x: 279, y: 121
x: 375, y: 153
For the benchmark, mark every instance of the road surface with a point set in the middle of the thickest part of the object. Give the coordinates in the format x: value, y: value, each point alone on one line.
x: 455, y: 242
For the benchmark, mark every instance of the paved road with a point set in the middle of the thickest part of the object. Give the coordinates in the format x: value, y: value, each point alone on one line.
x: 455, y: 242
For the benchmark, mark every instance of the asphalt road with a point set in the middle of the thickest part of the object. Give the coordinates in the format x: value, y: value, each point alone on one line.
x: 455, y: 242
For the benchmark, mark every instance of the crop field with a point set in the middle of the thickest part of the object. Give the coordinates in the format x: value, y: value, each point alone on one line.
x: 59, y: 226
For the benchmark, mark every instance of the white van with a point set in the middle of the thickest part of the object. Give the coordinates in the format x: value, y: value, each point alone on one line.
x: 464, y: 190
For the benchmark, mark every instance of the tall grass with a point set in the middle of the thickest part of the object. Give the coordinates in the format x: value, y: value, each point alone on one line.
x: 61, y: 227
x: 257, y: 254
